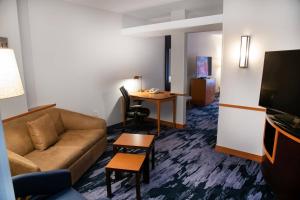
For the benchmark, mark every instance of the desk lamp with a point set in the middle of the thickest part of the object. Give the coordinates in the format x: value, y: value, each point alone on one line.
x: 10, y: 86
x: 139, y: 77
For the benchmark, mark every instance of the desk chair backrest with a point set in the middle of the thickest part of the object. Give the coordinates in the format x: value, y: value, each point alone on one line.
x: 126, y: 98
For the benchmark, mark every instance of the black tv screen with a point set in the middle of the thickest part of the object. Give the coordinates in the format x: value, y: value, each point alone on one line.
x: 280, y: 89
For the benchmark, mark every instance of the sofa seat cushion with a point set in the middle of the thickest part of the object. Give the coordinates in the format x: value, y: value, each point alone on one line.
x: 83, y: 139
x: 55, y: 157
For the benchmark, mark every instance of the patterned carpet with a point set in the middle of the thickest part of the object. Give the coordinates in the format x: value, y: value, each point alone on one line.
x: 187, y: 167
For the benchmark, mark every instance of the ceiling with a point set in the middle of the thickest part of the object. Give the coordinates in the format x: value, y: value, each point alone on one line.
x: 156, y: 10
x: 199, y: 24
x: 122, y: 6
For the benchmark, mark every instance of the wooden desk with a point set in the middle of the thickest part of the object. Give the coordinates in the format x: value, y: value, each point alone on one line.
x: 163, y: 96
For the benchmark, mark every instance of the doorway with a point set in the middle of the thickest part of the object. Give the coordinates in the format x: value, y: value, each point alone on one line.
x: 204, y: 58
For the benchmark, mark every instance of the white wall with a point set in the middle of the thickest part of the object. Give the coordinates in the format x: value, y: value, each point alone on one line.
x: 204, y: 44
x: 273, y: 25
x: 77, y: 57
x: 9, y: 28
x: 179, y: 73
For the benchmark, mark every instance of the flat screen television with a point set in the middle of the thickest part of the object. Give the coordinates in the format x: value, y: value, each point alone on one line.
x: 203, y: 67
x: 280, y: 88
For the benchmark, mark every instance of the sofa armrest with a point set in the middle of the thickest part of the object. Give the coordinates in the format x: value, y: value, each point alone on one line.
x: 41, y: 183
x: 20, y: 165
x: 78, y: 121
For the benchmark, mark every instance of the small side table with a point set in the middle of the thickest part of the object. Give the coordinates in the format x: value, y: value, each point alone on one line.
x: 125, y: 162
x: 138, y: 141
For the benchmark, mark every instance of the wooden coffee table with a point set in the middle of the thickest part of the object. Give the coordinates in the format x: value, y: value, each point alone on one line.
x: 138, y: 141
x: 125, y: 162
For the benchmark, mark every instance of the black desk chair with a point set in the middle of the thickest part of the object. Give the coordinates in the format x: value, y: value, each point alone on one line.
x: 51, y: 185
x: 136, y: 112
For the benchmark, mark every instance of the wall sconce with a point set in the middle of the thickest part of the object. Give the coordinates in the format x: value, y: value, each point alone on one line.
x: 244, y: 52
x: 141, y: 78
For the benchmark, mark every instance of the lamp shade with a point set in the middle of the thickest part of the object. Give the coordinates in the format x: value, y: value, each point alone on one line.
x: 10, y: 80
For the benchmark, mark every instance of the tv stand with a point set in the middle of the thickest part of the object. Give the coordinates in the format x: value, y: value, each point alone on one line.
x: 281, y: 162
x: 287, y: 122
x: 203, y: 91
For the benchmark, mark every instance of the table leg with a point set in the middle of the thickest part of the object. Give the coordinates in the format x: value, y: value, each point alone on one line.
x: 153, y: 156
x: 174, y: 112
x: 115, y: 150
x: 158, y: 116
x: 108, y: 183
x: 117, y: 174
x: 138, y: 186
x: 146, y: 175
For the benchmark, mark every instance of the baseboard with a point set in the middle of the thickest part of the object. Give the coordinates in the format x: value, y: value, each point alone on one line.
x: 166, y: 123
x: 237, y: 153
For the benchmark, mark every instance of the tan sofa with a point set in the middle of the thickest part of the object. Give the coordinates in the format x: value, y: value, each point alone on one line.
x: 82, y: 140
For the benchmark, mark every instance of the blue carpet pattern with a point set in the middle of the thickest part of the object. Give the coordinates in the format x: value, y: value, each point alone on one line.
x: 187, y: 167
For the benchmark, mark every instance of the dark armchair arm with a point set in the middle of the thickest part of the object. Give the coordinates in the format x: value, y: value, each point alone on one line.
x: 41, y: 183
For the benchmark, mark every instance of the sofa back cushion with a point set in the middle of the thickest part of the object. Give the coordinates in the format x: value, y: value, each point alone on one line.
x: 16, y: 133
x: 43, y: 132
